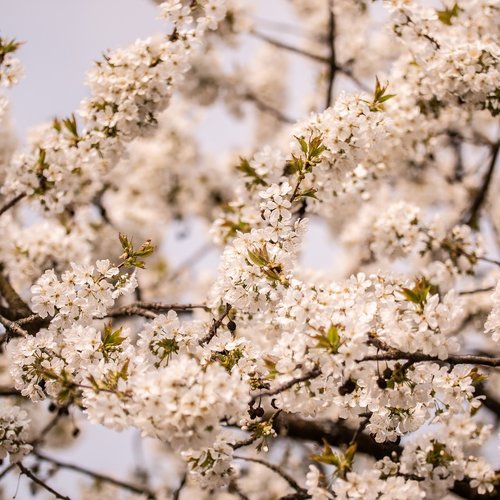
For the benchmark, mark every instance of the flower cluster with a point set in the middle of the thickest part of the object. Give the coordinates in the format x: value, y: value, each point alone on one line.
x: 14, y: 424
x: 381, y: 356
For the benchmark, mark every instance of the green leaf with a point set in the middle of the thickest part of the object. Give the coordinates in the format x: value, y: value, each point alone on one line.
x: 249, y: 171
x: 330, y: 340
x: 309, y: 193
x: 447, y: 14
x: 110, y: 338
x: 303, y: 144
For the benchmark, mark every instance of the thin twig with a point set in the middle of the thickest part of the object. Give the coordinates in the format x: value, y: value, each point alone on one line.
x: 191, y: 260
x: 290, y: 48
x: 473, y: 212
x: 131, y: 310
x: 177, y: 492
x: 244, y: 442
x: 490, y: 261
x: 332, y: 68
x: 96, y: 475
x: 38, y: 481
x: 278, y: 471
x: 48, y: 427
x: 477, y: 290
x: 215, y: 326
x: 148, y: 309
x: 6, y: 471
x: 315, y: 372
x: 161, y: 306
x: 267, y: 108
x: 392, y: 354
x: 315, y: 57
x: 11, y: 203
x: 361, y: 427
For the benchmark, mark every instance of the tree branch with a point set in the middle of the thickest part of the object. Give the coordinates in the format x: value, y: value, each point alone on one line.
x: 263, y: 106
x: 148, y: 309
x: 11, y: 203
x: 471, y: 217
x: 18, y: 307
x: 332, y: 68
x: 43, y: 484
x: 8, y: 392
x: 12, y: 328
x: 315, y: 372
x: 278, y: 471
x: 215, y: 325
x: 290, y: 48
x: 336, y: 433
x: 96, y: 475
x: 392, y: 354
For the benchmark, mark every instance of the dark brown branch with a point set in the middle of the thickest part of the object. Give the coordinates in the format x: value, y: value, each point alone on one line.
x: 489, y: 401
x: 215, y: 326
x: 418, y: 357
x: 146, y: 309
x: 336, y: 433
x: 278, y: 471
x: 18, y: 308
x: 477, y: 290
x: 471, y: 217
x: 130, y: 310
x: 392, y: 354
x: 332, y: 68
x: 177, y: 492
x: 41, y: 483
x: 8, y: 392
x: 12, y: 328
x: 244, y: 442
x: 6, y: 471
x: 96, y: 475
x: 160, y: 306
x: 11, y: 203
x: 316, y: 372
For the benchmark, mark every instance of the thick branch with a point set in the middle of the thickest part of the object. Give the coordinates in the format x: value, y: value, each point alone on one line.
x: 336, y: 433
x: 8, y: 392
x: 96, y: 475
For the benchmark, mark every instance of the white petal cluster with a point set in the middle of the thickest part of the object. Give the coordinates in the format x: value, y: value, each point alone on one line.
x: 14, y: 423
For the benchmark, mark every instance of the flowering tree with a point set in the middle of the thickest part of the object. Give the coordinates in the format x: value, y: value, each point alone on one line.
x: 375, y: 379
